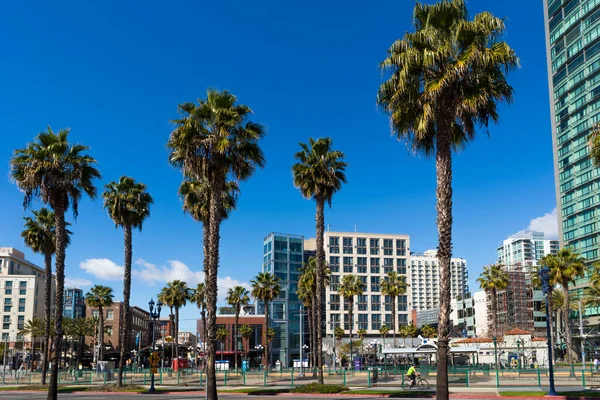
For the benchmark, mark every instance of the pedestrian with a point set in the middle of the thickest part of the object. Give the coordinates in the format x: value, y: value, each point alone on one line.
x: 596, y: 363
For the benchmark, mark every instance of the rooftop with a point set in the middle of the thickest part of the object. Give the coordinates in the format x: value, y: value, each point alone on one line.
x: 517, y: 331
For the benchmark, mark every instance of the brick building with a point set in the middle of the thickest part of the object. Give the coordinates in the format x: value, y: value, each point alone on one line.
x: 139, y: 323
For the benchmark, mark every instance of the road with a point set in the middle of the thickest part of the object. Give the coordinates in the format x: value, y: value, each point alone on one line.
x: 179, y: 396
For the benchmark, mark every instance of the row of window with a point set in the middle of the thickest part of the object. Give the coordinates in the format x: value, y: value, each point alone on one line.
x: 362, y: 321
x: 110, y: 314
x: 6, y: 322
x: 361, y: 246
x: 8, y: 304
x: 8, y: 288
x: 362, y: 303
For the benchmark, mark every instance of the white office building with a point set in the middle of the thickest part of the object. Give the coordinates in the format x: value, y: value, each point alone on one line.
x: 525, y: 248
x: 21, y: 293
x: 370, y: 256
x: 423, y: 279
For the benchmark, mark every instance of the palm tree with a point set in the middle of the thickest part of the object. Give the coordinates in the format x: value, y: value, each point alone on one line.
x: 383, y: 331
x: 265, y: 287
x: 492, y: 280
x: 319, y: 174
x: 246, y: 332
x: 40, y: 236
x: 362, y: 334
x: 428, y: 331
x: 33, y: 328
x: 128, y: 205
x: 394, y: 285
x: 82, y: 327
x: 411, y: 331
x: 592, y: 296
x: 566, y: 266
x: 101, y: 297
x: 271, y: 335
x: 52, y: 170
x: 594, y: 144
x: 445, y: 79
x: 237, y: 297
x: 351, y: 286
x: 215, y: 142
x: 222, y: 335
x: 199, y: 298
x: 306, y: 295
x: 175, y: 295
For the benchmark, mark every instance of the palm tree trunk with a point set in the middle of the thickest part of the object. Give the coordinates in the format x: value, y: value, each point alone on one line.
x: 310, y: 333
x: 394, y: 326
x: 47, y: 311
x: 315, y: 326
x: 443, y: 163
x: 237, y: 317
x: 61, y: 244
x: 266, y: 353
x: 494, y: 313
x: 320, y: 228
x: 101, y: 333
x: 350, y: 323
x: 80, y: 352
x: 126, y: 296
x: 176, y: 333
x: 551, y: 322
x: 567, y: 327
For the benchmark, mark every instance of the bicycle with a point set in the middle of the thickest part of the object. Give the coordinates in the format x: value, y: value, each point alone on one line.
x: 420, y: 383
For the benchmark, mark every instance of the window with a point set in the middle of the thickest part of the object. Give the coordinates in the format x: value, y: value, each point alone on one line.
x: 363, y: 321
x: 6, y: 322
x: 402, y: 319
x: 388, y: 247
x: 374, y: 265
x: 375, y: 303
x: 361, y: 246
x: 375, y: 283
x: 334, y: 245
x: 334, y: 263
x: 23, y: 288
x: 334, y: 283
x: 361, y: 262
x: 401, y: 266
x: 7, y: 304
x: 374, y: 246
x: 347, y: 243
x: 363, y: 302
x: 402, y: 303
x: 110, y: 314
x: 400, y: 247
x: 20, y: 322
x: 388, y: 265
x: 348, y: 264
x: 95, y: 313
x: 346, y: 322
x: 109, y: 330
x: 375, y: 321
x: 8, y: 287
x: 21, y: 305
x: 388, y: 303
x: 5, y: 336
x: 334, y: 302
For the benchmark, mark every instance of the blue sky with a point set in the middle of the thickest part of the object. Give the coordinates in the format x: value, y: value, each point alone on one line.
x: 114, y: 73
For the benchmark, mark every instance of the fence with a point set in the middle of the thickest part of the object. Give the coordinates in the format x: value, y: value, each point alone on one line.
x: 376, y: 376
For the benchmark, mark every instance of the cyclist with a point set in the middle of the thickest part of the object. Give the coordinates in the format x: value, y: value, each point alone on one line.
x: 412, y: 374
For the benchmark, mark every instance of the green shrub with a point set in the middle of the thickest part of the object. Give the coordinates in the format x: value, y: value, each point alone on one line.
x: 318, y: 388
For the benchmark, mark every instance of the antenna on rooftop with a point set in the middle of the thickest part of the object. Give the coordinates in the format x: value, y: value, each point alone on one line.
x: 354, y: 227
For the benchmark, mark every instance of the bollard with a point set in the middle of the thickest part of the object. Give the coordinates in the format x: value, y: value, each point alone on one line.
x: 369, y: 378
x: 344, y: 377
x: 265, y: 377
x: 583, y: 378
x: 539, y: 378
x: 244, y: 372
x: 497, y: 379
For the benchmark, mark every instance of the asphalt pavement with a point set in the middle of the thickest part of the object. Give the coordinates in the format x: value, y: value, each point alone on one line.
x: 175, y: 396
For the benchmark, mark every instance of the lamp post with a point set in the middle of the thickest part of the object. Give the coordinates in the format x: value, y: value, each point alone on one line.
x: 545, y: 279
x: 259, y: 348
x: 303, y: 349
x: 154, y: 315
x: 519, y: 355
x: 496, y: 360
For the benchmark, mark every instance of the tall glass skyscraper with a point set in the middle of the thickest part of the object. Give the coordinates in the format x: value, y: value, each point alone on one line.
x: 573, y: 52
x: 282, y: 255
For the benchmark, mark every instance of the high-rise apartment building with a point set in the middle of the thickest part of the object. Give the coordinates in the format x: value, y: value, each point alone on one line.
x: 424, y: 279
x: 283, y: 255
x: 370, y: 256
x: 525, y: 248
x: 21, y: 292
x: 74, y: 304
x: 573, y: 53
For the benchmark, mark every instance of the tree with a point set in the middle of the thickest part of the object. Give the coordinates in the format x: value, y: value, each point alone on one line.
x: 82, y: 327
x: 443, y: 80
x: 428, y: 331
x: 594, y: 144
x: 394, y: 285
x: 33, y: 328
x: 362, y: 334
x: 493, y: 279
x: 214, y: 141
x: 271, y: 335
x: 566, y: 266
x: 383, y: 331
x: 319, y: 174
x: 351, y: 286
x: 100, y: 297
x: 40, y: 236
x: 222, y: 335
x: 246, y: 332
x: 265, y: 288
x: 237, y: 297
x: 410, y: 331
x: 128, y: 205
x: 176, y: 295
x: 52, y: 170
x: 306, y: 295
x: 199, y: 298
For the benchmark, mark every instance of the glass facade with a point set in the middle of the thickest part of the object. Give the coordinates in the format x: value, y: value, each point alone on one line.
x: 283, y: 255
x: 74, y: 305
x: 573, y: 46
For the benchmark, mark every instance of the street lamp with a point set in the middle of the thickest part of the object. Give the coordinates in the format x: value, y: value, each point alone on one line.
x: 496, y: 359
x: 519, y: 355
x: 545, y: 278
x: 154, y: 315
x: 259, y: 348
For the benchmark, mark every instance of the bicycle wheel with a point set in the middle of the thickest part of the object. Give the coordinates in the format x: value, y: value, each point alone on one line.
x: 422, y: 384
x: 405, y: 384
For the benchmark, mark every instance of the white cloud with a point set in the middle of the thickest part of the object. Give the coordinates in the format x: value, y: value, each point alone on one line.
x: 77, y: 282
x: 102, y: 268
x: 547, y: 223
x: 153, y: 275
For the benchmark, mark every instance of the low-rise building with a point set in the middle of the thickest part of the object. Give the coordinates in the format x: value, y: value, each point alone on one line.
x: 74, y: 304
